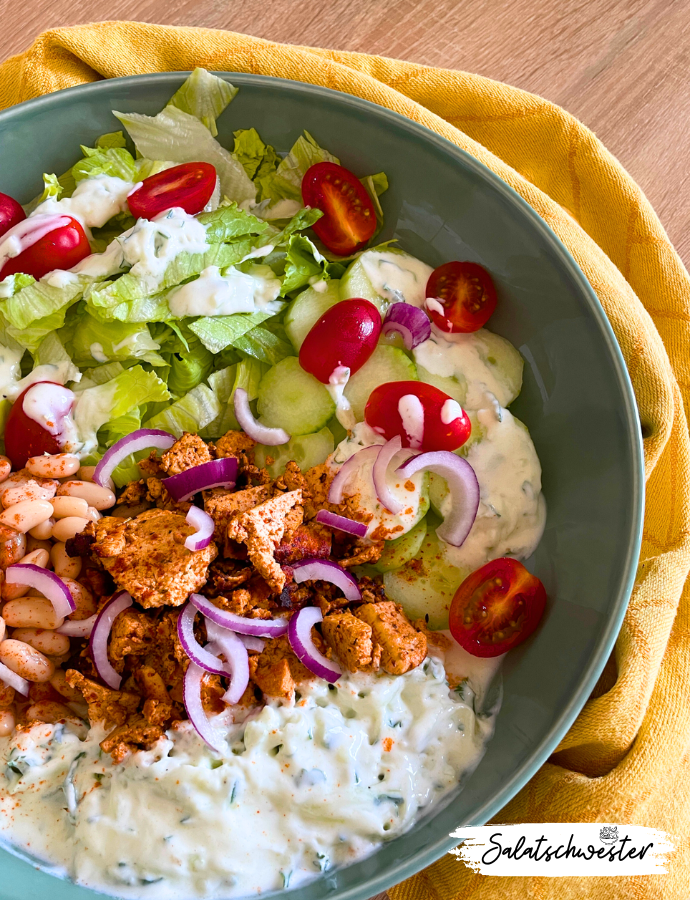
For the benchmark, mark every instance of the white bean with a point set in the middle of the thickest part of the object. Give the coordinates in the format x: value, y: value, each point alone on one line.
x: 5, y: 468
x: 94, y: 494
x: 59, y: 682
x: 36, y: 558
x: 64, y: 565
x: 93, y: 514
x: 33, y: 543
x: 64, y: 529
x: 60, y: 465
x: 27, y: 515
x: 70, y: 506
x: 43, y: 531
x: 85, y: 604
x: 29, y: 491
x: 6, y: 695
x: 25, y: 661
x: 31, y: 612
x: 3, y: 630
x: 13, y: 547
x: 48, y: 711
x: 86, y: 474
x: 6, y: 722
x: 49, y: 642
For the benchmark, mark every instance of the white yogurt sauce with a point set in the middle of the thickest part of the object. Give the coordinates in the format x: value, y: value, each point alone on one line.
x: 94, y: 201
x: 233, y: 291
x: 303, y: 788
x: 59, y: 373
x: 150, y: 245
x: 10, y: 368
x: 335, y: 387
x: 48, y: 405
x: 398, y: 277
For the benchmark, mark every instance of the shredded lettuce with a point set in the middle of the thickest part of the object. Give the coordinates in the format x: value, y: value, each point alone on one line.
x: 204, y: 96
x: 114, y: 161
x: 229, y: 222
x: 190, y: 368
x: 259, y: 160
x: 193, y: 412
x: 218, y: 332
x: 303, y: 262
x: 246, y: 374
x: 95, y: 341
x: 38, y: 308
x: 264, y: 345
x: 286, y: 182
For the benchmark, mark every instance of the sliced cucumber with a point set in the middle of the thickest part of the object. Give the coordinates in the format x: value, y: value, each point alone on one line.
x: 385, y: 364
x: 307, y: 308
x: 355, y: 283
x: 306, y: 450
x: 292, y: 399
x: 396, y: 553
x: 386, y: 276
x: 504, y: 361
x: 451, y: 386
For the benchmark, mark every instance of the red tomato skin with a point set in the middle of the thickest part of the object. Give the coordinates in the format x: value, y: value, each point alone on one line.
x: 349, y: 217
x: 345, y: 335
x: 467, y: 292
x: 381, y: 414
x: 61, y: 248
x: 11, y: 213
x: 188, y: 186
x: 24, y: 437
x: 489, y: 600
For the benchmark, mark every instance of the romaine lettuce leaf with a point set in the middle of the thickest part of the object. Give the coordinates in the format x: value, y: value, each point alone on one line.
x: 264, y: 345
x: 204, y: 96
x: 114, y: 161
x: 13, y: 283
x: 189, y: 369
x: 229, y: 222
x: 259, y: 160
x: 246, y: 374
x: 117, y: 428
x: 111, y: 140
x: 95, y: 341
x: 218, y: 332
x: 376, y: 185
x: 191, y: 413
x: 286, y: 182
x: 303, y: 262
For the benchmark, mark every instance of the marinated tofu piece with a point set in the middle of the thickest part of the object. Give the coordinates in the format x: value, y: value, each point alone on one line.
x: 361, y: 552
x: 185, y: 453
x: 351, y: 640
x: 131, y: 635
x: 402, y: 646
x: 147, y: 557
x: 158, y: 708
x: 276, y: 670
x: 222, y: 504
x: 105, y: 705
x: 305, y: 542
x: 158, y: 494
x: 237, y: 444
x: 133, y: 495
x: 137, y: 734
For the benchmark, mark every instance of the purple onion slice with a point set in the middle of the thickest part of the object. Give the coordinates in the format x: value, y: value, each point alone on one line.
x: 267, y: 628
x: 195, y: 709
x: 342, y: 523
x: 21, y: 685
x: 204, y: 525
x: 216, y: 473
x: 78, y: 628
x: 262, y: 434
x: 98, y: 643
x: 380, y: 475
x: 348, y: 468
x: 410, y: 322
x: 141, y: 439
x: 327, y: 570
x: 198, y: 654
x: 48, y: 583
x: 236, y: 660
x: 299, y: 635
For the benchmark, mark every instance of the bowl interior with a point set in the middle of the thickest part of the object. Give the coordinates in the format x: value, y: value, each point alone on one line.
x: 576, y: 400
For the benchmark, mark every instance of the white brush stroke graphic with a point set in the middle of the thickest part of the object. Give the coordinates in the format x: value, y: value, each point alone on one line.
x: 562, y: 849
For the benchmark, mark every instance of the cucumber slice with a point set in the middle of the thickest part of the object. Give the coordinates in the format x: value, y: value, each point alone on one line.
x: 292, y: 399
x: 385, y: 364
x: 451, y: 386
x: 306, y: 450
x: 396, y: 553
x: 307, y: 308
x: 355, y: 283
x: 504, y: 361
x: 426, y: 585
x: 386, y: 276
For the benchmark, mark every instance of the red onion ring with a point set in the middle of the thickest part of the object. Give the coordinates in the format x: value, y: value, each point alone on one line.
x: 198, y: 654
x: 98, y: 642
x: 262, y: 434
x: 464, y: 490
x: 191, y: 693
x: 299, y: 635
x: 21, y: 685
x: 267, y: 628
x: 216, y: 473
x: 336, y: 490
x: 78, y: 628
x: 326, y: 570
x: 251, y: 642
x: 342, y: 523
x: 236, y: 660
x: 380, y: 475
x: 409, y: 321
x: 48, y: 583
x: 204, y: 525
x: 141, y: 439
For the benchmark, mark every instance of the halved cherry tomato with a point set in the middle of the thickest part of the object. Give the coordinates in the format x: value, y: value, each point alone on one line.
x: 382, y: 414
x: 25, y: 437
x: 188, y: 186
x: 10, y: 213
x: 61, y: 248
x: 345, y: 335
x: 349, y: 217
x: 496, y: 608
x: 467, y: 294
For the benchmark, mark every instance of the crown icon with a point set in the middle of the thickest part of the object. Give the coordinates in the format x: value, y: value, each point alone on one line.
x: 609, y: 834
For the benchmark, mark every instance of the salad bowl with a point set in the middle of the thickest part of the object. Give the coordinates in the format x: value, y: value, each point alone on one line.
x: 577, y: 401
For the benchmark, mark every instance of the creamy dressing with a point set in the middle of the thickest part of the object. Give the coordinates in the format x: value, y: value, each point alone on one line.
x: 96, y: 351
x: 398, y: 277
x: 10, y: 369
x: 411, y: 413
x: 59, y: 373
x: 223, y: 294
x: 151, y: 245
x: 48, y: 404
x: 94, y: 201
x: 303, y: 787
x: 28, y: 232
x: 335, y: 387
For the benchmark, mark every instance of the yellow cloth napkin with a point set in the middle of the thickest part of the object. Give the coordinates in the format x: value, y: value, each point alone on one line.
x: 626, y: 757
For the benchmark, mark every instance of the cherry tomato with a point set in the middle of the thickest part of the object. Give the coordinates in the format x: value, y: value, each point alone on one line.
x: 349, y: 217
x: 496, y: 608
x: 345, y: 335
x: 25, y: 437
x: 61, y: 248
x: 382, y: 414
x: 467, y: 294
x: 11, y: 213
x: 188, y: 186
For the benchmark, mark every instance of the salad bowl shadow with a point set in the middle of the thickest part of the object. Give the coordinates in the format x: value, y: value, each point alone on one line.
x: 577, y: 401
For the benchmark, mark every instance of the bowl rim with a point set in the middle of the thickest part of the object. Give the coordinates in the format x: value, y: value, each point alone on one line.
x: 606, y: 639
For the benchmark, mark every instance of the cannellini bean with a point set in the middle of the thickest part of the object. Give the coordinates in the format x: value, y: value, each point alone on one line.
x: 49, y: 642
x: 43, y: 531
x: 38, y: 557
x: 31, y: 612
x: 25, y: 661
x: 65, y: 566
x: 43, y: 691
x: 6, y: 695
x: 33, y: 543
x: 83, y: 599
x: 7, y: 722
x: 95, y: 495
x: 48, y: 711
x: 86, y: 474
x: 29, y: 491
x: 59, y: 682
x: 64, y: 529
x: 93, y: 514
x: 13, y: 545
x: 70, y: 506
x: 61, y: 660
x: 5, y: 468
x: 26, y: 515
x: 60, y: 465
x: 3, y: 630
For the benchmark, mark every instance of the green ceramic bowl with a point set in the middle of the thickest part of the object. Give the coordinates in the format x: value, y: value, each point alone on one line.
x: 577, y: 401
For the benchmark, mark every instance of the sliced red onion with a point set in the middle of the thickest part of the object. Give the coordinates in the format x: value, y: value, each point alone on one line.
x: 81, y: 628
x: 98, y: 642
x: 299, y: 635
x: 191, y: 693
x: 213, y: 474
x: 204, y: 525
x: 342, y: 523
x: 326, y: 570
x: 198, y: 654
x: 141, y: 439
x: 356, y: 461
x: 267, y: 628
x: 48, y: 583
x: 236, y: 660
x: 21, y: 685
x: 464, y: 491
x: 262, y: 434
x: 380, y: 474
x: 412, y: 323
x: 252, y: 643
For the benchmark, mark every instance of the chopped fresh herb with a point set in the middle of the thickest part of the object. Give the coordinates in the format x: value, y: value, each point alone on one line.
x: 216, y: 763
x: 99, y: 776
x: 286, y: 876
